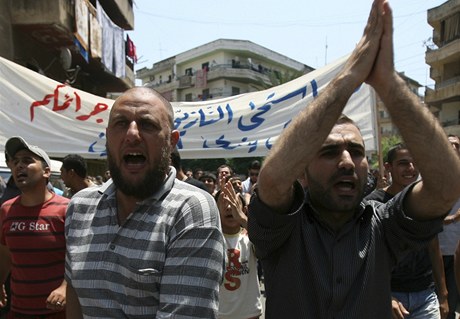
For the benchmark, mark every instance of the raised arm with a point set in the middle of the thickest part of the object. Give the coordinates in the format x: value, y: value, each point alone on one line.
x: 302, y: 139
x: 423, y: 135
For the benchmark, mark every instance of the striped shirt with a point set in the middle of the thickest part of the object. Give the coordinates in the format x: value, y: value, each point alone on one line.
x: 35, y: 238
x: 165, y: 260
x: 312, y: 272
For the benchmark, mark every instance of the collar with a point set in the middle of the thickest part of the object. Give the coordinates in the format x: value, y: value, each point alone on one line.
x: 363, y: 212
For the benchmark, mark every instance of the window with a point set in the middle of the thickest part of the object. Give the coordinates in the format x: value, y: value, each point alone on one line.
x: 235, y: 90
x: 450, y: 28
x: 189, y: 71
x: 205, y: 94
x: 205, y: 66
x: 188, y: 97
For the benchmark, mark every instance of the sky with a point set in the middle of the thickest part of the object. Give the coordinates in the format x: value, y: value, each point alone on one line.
x: 311, y: 32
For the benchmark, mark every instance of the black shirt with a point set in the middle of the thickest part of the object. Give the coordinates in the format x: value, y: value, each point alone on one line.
x: 414, y: 272
x: 313, y: 272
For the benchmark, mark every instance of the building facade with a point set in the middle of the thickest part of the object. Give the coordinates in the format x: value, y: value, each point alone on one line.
x: 67, y: 41
x: 219, y: 69
x: 444, y: 61
x: 79, y: 42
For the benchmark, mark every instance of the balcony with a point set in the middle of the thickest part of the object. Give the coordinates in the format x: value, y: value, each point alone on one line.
x: 50, y: 22
x: 164, y: 65
x: 42, y: 28
x: 447, y: 91
x: 241, y: 73
x: 121, y: 12
x: 446, y: 54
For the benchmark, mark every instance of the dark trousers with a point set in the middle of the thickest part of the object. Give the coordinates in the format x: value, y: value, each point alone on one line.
x: 453, y: 296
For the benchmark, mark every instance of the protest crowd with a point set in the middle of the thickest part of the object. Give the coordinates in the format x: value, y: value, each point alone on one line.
x: 310, y: 231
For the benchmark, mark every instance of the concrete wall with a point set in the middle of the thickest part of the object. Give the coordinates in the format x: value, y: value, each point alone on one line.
x: 6, y: 37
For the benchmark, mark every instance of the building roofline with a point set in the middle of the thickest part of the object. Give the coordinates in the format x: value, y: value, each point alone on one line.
x: 238, y: 45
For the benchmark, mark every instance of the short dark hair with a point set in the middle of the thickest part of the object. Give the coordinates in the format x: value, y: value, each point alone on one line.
x: 207, y: 175
x: 345, y: 119
x: 225, y: 165
x: 255, y: 165
x: 77, y: 163
x: 391, y: 155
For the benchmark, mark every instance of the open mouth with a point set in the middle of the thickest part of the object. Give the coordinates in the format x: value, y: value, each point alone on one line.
x: 346, y: 185
x: 21, y: 176
x: 134, y: 159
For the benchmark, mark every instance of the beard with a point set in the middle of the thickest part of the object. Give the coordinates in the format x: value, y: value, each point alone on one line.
x: 152, y: 181
x: 322, y: 197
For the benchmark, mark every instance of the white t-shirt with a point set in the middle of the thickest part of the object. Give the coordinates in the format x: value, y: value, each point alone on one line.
x: 239, y: 294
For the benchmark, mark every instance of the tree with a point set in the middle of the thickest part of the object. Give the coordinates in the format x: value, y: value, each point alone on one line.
x: 388, y: 142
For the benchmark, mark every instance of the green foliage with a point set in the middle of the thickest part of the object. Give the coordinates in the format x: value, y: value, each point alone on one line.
x: 388, y: 142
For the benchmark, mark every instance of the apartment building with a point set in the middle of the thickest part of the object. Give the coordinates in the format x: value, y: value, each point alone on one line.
x: 79, y: 42
x: 444, y: 100
x: 219, y: 69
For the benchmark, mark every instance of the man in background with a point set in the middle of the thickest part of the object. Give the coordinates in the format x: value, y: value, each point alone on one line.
x: 418, y: 285
x: 250, y: 182
x: 180, y: 175
x: 32, y: 242
x: 74, y: 173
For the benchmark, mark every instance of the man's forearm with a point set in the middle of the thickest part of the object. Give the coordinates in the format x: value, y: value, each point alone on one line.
x: 302, y: 139
x: 428, y: 144
x: 438, y: 269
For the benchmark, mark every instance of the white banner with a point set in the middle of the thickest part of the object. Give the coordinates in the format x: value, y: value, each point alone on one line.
x: 63, y: 120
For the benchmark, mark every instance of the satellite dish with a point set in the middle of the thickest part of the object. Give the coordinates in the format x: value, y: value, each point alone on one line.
x: 66, y: 58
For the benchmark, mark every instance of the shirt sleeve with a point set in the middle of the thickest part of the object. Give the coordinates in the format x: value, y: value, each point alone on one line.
x: 269, y: 230
x: 403, y: 233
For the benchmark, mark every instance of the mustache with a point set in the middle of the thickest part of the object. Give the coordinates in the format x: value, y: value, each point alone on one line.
x: 343, y: 172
